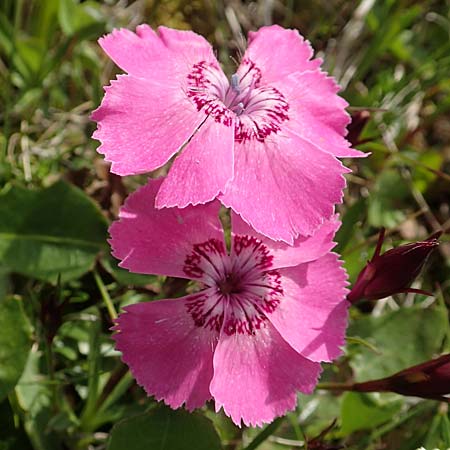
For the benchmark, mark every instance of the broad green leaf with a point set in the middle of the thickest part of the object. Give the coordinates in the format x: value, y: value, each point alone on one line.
x: 28, y: 57
x: 363, y: 412
x: 15, y: 343
x: 164, y: 429
x: 423, y: 178
x: 58, y: 230
x: 386, y: 198
x: 352, y: 216
x: 404, y: 337
x: 74, y: 17
x: 355, y: 260
x: 34, y: 395
x: 225, y: 427
x: 359, y: 341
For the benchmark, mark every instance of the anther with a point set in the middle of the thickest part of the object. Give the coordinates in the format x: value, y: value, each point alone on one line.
x: 239, y: 109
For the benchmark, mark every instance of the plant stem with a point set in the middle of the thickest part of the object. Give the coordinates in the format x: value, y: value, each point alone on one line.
x: 48, y: 351
x: 264, y: 434
x: 105, y: 296
x: 295, y: 425
x: 332, y: 386
x: 89, y: 410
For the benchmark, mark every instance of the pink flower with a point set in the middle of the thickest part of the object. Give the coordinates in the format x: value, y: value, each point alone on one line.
x: 264, y: 142
x: 263, y: 317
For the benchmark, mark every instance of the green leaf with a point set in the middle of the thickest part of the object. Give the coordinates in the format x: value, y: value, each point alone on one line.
x: 322, y: 408
x: 6, y: 35
x: 423, y: 178
x: 359, y: 341
x: 355, y: 259
x: 264, y: 434
x: 28, y: 57
x: 164, y: 429
x: 4, y: 282
x: 363, y: 412
x: 353, y: 215
x: 75, y: 17
x: 386, y: 198
x: 405, y: 337
x: 54, y: 231
x: 44, y: 23
x: 15, y: 343
x: 438, y: 433
x: 445, y: 430
x: 34, y: 398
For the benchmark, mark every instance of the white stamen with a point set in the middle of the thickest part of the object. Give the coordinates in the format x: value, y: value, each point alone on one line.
x: 235, y: 83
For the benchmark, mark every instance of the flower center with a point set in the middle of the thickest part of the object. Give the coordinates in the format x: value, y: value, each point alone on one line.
x: 257, y: 111
x: 229, y: 285
x: 241, y: 282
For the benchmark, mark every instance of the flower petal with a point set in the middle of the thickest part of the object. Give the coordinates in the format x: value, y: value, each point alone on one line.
x: 284, y: 186
x: 312, y: 316
x: 304, y: 249
x: 317, y: 113
x: 203, y: 168
x: 170, y: 357
x: 153, y: 241
x: 142, y: 124
x: 256, y: 377
x: 278, y: 52
x: 165, y: 57
x: 187, y: 45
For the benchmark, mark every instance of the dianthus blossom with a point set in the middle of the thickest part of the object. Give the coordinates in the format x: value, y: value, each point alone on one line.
x: 260, y: 319
x: 264, y: 141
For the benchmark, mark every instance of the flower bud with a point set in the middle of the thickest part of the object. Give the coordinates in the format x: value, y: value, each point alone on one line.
x: 393, y: 271
x: 430, y: 379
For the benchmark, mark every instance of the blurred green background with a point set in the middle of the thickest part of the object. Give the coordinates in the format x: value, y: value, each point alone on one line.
x: 62, y: 385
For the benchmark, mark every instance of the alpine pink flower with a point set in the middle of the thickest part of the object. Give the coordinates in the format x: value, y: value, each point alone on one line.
x: 264, y: 142
x: 263, y: 317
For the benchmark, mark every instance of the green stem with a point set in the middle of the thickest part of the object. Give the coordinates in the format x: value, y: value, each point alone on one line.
x: 90, y: 407
x: 48, y: 351
x: 331, y: 386
x: 412, y: 161
x: 420, y: 409
x: 105, y: 296
x: 292, y: 417
x: 264, y: 434
x: 119, y: 389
